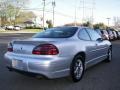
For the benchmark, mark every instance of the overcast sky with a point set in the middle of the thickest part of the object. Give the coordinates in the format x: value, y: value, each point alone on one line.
x: 65, y: 10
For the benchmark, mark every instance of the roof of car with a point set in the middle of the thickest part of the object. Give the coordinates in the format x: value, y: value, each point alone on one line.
x: 74, y: 26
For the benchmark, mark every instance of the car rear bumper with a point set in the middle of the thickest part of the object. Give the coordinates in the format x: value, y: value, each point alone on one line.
x: 25, y: 72
x: 50, y: 67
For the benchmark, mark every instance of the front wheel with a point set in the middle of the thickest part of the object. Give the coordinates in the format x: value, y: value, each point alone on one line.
x: 109, y: 57
x: 77, y: 68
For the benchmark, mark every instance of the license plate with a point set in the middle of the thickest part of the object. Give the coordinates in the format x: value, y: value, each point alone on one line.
x: 18, y: 64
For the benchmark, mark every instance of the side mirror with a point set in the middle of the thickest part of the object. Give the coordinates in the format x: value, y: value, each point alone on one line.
x: 100, y: 39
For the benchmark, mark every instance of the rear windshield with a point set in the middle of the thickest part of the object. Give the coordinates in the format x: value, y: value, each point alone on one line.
x: 58, y: 32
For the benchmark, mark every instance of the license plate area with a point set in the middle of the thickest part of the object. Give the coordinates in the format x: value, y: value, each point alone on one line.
x: 17, y: 64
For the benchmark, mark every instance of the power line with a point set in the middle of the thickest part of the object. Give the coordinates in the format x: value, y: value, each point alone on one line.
x: 50, y: 11
x: 59, y: 13
x: 85, y: 8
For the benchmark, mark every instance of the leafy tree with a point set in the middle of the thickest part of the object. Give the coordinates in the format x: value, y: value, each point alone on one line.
x: 99, y: 26
x: 87, y: 24
x: 72, y: 24
x: 49, y: 22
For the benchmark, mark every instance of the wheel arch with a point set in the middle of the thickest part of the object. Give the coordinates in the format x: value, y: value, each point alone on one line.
x: 83, y: 54
x: 110, y: 46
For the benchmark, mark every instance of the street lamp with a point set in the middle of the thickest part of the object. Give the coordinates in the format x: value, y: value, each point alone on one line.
x: 108, y: 19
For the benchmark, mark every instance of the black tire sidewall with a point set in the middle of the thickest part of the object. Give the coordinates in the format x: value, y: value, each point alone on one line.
x: 107, y: 60
x: 72, y: 68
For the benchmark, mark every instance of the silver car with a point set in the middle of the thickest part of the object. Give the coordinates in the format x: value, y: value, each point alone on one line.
x: 58, y: 52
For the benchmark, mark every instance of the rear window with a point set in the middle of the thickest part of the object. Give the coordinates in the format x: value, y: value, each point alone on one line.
x: 58, y: 32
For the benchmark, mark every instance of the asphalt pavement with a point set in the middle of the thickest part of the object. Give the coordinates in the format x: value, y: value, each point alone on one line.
x: 103, y: 76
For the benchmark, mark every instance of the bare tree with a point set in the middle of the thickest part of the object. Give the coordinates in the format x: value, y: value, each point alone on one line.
x: 10, y: 9
x: 18, y: 4
x: 3, y: 13
x: 25, y: 16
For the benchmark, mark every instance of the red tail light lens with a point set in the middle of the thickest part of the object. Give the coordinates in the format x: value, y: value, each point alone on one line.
x: 10, y: 47
x: 45, y: 49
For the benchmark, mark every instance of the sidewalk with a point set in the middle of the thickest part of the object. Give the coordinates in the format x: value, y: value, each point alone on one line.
x: 22, y: 31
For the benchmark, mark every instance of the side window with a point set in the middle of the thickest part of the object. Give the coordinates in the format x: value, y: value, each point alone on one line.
x: 83, y: 35
x: 94, y: 35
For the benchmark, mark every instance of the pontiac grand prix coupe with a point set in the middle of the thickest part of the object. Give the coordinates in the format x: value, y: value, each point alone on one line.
x: 58, y: 52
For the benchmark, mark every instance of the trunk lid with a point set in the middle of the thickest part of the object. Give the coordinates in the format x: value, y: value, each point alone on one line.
x: 26, y: 46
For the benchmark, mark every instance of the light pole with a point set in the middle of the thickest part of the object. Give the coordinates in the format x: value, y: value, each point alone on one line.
x: 43, y: 14
x: 53, y: 4
x: 108, y: 20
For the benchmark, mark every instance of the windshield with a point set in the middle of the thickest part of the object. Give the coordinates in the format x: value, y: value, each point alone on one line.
x: 58, y: 32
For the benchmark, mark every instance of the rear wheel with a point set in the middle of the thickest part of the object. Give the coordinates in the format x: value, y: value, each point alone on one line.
x: 109, y: 57
x: 77, y: 68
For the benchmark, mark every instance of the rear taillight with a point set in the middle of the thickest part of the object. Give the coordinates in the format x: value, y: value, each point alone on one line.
x: 45, y: 49
x: 10, y: 47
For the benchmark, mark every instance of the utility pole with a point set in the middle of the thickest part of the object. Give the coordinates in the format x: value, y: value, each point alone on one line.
x: 43, y: 14
x: 53, y: 4
x: 93, y: 7
x: 108, y: 20
x: 83, y: 11
x: 87, y: 10
x: 75, y: 13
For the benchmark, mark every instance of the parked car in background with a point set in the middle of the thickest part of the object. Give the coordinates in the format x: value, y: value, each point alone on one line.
x: 58, y: 52
x: 105, y: 34
x: 110, y: 34
x: 9, y: 27
x: 17, y: 28
x: 119, y: 34
x: 115, y: 35
x: 118, y: 37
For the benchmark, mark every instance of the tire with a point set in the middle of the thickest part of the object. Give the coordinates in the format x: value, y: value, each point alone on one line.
x: 77, y: 68
x: 109, y: 56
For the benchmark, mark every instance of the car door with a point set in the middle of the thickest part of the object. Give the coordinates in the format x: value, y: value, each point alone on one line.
x: 100, y: 48
x: 87, y: 42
